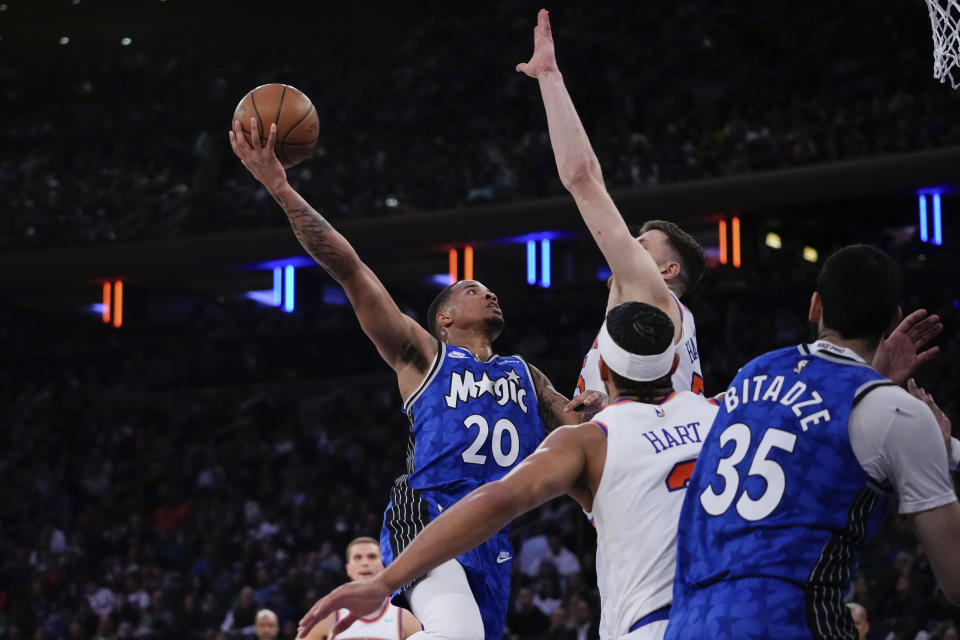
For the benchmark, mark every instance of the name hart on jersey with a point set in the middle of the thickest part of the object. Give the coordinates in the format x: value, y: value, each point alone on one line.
x: 465, y: 387
x: 662, y: 439
x: 759, y: 389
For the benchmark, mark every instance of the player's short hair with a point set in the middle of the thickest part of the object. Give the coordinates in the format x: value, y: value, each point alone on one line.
x: 645, y: 330
x: 439, y: 304
x: 360, y: 540
x: 689, y: 252
x: 859, y: 287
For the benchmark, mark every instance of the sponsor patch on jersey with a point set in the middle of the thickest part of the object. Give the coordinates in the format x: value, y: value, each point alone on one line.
x: 503, y: 557
x: 457, y: 354
x: 800, y: 365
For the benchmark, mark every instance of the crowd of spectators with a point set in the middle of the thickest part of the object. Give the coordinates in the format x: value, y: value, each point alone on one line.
x: 171, y: 478
x: 130, y: 144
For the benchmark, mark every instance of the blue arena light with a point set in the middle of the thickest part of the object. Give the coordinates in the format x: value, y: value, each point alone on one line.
x: 603, y: 273
x: 923, y: 218
x: 277, y: 286
x: 288, y: 288
x: 545, y: 263
x: 937, y: 226
x: 531, y: 262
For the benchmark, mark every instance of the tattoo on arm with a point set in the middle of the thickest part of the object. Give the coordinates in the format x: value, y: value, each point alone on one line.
x: 549, y: 400
x: 320, y: 239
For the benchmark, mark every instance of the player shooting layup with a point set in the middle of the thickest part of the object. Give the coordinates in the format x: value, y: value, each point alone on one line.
x: 628, y: 465
x: 474, y: 415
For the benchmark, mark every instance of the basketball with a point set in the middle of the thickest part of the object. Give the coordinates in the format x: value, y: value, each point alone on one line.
x: 295, y: 116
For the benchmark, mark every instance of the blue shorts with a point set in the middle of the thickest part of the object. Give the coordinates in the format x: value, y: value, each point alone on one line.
x: 759, y: 609
x: 488, y: 566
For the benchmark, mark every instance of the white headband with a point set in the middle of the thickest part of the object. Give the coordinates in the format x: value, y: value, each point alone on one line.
x: 631, y: 365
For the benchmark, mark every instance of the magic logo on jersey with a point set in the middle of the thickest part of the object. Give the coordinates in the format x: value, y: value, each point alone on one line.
x: 464, y: 386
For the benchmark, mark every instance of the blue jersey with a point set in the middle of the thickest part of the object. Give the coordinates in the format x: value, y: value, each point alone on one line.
x: 778, y: 506
x: 471, y: 422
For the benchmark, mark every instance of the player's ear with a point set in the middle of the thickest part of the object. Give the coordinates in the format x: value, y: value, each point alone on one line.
x: 670, y: 270
x: 444, y: 319
x: 604, y: 370
x: 816, y: 309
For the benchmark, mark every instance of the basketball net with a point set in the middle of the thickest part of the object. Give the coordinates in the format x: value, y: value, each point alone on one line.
x: 945, y: 20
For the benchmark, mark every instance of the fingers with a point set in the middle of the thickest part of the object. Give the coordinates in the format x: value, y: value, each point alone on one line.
x: 911, y: 320
x: 344, y: 624
x: 925, y: 331
x: 271, y: 137
x: 237, y: 142
x: 254, y: 134
x: 912, y: 387
x: 926, y: 356
x: 576, y: 405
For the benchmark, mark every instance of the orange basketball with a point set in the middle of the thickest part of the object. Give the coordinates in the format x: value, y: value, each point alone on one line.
x: 295, y: 116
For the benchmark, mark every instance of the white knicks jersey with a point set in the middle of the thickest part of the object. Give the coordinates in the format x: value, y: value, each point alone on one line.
x: 651, y: 451
x: 386, y: 624
x: 687, y: 377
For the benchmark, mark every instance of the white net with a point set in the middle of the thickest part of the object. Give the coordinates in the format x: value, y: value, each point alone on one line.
x: 945, y: 20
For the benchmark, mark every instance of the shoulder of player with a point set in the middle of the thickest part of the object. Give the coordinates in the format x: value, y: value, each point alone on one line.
x: 885, y: 398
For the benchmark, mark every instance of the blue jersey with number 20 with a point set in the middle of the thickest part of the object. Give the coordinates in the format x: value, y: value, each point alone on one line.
x: 778, y: 505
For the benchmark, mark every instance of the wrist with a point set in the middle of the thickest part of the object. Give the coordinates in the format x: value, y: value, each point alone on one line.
x: 387, y: 581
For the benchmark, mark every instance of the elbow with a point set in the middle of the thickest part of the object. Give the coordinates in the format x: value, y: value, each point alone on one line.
x: 581, y: 176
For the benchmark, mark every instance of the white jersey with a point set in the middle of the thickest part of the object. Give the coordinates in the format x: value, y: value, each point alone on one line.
x: 687, y: 377
x: 651, y: 451
x: 386, y: 624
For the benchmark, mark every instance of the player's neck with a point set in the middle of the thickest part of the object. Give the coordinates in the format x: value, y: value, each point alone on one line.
x: 478, y: 344
x: 862, y: 348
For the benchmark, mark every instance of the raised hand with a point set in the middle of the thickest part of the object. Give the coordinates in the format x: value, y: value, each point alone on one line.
x: 361, y: 597
x: 544, y: 59
x: 259, y: 159
x: 903, y: 351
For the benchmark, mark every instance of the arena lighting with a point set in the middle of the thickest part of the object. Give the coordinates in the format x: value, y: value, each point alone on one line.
x: 735, y: 229
x: 452, y: 261
x: 531, y: 262
x: 603, y: 273
x: 125, y: 42
x: 923, y: 218
x: 468, y: 263
x: 545, y: 263
x: 288, y: 288
x: 937, y: 226
x: 107, y: 294
x: 723, y: 241
x: 64, y: 40
x: 118, y: 304
x: 773, y: 240
x: 277, y: 286
x: 810, y: 254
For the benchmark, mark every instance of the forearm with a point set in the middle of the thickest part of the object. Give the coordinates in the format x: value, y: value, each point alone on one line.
x: 462, y: 527
x: 576, y: 160
x: 324, y: 243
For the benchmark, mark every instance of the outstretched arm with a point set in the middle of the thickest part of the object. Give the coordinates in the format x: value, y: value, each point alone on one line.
x: 635, y: 274
x: 403, y: 344
x: 557, y: 467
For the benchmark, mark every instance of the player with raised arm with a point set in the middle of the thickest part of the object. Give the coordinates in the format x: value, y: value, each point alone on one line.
x: 474, y: 415
x: 387, y: 622
x: 795, y: 471
x: 629, y: 466
x: 657, y: 267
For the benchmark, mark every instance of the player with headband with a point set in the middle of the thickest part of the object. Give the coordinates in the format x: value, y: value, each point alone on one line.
x: 629, y: 466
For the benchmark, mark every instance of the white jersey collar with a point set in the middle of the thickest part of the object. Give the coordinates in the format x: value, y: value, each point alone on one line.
x: 827, y: 347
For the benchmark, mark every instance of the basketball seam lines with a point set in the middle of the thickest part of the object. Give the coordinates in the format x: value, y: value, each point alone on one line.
x: 253, y: 101
x: 297, y: 124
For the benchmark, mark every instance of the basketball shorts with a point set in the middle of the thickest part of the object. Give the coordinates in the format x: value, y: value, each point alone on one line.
x: 488, y: 566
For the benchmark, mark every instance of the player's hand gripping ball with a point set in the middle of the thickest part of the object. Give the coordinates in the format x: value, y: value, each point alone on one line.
x: 295, y: 116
